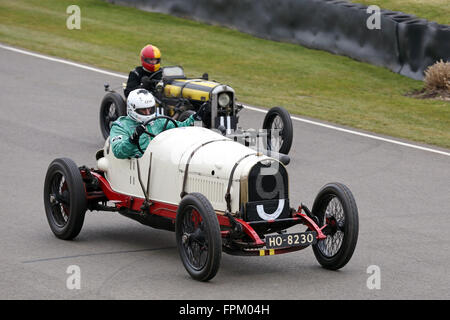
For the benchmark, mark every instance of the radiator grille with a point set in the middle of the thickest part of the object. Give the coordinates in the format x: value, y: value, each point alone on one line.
x: 213, y: 189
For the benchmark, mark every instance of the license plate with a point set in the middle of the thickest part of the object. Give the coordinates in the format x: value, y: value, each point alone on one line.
x: 290, y: 239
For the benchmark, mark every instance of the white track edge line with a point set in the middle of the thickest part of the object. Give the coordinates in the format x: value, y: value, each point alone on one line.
x: 366, y: 135
x: 74, y: 64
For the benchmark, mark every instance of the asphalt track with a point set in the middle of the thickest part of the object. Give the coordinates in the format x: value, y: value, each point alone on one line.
x: 50, y: 110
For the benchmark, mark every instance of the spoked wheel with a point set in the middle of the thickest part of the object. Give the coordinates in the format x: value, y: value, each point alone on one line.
x: 112, y: 107
x: 198, y: 237
x: 64, y: 198
x: 278, y: 124
x: 335, y: 206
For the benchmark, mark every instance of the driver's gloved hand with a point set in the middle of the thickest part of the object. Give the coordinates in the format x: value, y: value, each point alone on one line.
x: 134, y: 139
x: 146, y: 82
x: 200, y: 113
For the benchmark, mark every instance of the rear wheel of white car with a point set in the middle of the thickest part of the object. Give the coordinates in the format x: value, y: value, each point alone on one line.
x: 64, y: 198
x: 278, y: 124
x: 112, y: 107
x: 335, y: 206
x: 198, y: 237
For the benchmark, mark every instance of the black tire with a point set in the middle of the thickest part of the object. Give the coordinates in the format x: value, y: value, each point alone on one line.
x: 64, y: 198
x: 203, y: 236
x: 342, y: 234
x: 112, y: 107
x: 185, y: 114
x: 279, y: 118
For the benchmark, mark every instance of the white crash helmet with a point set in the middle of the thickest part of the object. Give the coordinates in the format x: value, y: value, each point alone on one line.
x: 139, y: 100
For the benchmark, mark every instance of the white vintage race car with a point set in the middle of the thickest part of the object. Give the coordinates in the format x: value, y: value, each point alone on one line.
x: 215, y: 193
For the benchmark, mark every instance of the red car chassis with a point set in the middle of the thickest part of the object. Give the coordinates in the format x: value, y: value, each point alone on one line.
x: 239, y: 237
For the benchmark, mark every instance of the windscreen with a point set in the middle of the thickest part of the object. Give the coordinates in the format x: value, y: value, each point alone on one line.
x: 173, y: 72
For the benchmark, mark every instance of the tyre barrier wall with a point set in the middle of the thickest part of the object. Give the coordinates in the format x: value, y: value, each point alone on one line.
x: 404, y: 43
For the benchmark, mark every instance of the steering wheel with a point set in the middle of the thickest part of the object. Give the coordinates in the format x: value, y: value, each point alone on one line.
x: 151, y: 135
x: 150, y: 81
x: 154, y: 74
x: 154, y: 81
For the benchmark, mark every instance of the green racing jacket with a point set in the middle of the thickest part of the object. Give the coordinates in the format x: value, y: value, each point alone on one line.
x: 123, y: 128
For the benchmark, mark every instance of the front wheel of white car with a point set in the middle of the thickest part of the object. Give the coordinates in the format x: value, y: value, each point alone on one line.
x: 336, y: 208
x: 198, y: 237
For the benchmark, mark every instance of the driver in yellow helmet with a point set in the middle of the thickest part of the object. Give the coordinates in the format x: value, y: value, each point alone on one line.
x: 141, y: 76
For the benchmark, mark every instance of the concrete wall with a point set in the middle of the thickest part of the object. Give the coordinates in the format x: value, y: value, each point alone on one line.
x: 404, y: 44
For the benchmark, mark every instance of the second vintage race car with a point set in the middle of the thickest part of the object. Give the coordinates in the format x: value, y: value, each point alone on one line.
x: 178, y: 97
x: 216, y: 194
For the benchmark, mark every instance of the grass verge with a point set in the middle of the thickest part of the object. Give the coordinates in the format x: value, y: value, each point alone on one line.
x: 433, y: 10
x: 307, y: 82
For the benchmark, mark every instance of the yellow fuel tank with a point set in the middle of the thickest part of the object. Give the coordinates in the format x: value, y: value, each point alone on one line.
x: 193, y: 89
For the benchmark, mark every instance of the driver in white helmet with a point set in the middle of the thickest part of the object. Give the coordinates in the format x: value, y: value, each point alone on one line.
x: 127, y: 131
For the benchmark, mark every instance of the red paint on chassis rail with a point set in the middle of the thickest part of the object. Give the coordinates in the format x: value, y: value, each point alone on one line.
x: 170, y: 211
